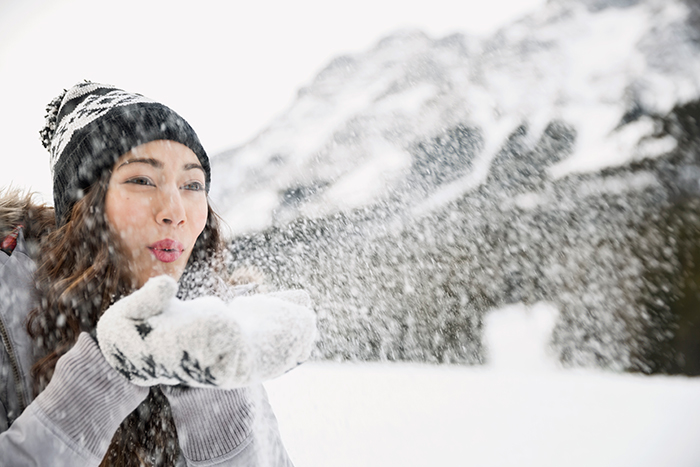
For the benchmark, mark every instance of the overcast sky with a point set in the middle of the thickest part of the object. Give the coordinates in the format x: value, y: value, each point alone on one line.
x: 227, y: 67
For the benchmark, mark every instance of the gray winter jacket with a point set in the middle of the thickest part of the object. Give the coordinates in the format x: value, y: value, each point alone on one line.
x: 72, y: 422
x: 16, y: 353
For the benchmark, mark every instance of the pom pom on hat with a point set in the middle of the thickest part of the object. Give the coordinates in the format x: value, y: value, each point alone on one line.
x: 49, y: 129
x: 89, y: 126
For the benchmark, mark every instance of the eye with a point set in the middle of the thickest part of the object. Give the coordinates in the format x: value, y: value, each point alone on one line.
x: 194, y: 186
x: 145, y: 181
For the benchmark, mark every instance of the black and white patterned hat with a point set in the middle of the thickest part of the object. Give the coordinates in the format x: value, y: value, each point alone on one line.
x: 91, y: 125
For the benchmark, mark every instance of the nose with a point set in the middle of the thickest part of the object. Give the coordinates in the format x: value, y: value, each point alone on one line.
x: 171, y: 209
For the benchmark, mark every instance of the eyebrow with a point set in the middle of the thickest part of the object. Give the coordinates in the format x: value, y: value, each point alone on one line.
x: 194, y: 166
x: 157, y: 164
x: 152, y: 162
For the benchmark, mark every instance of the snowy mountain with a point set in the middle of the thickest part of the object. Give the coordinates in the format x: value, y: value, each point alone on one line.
x: 415, y: 187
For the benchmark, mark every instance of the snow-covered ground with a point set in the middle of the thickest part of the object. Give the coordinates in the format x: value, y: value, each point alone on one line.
x: 411, y: 415
x: 334, y: 414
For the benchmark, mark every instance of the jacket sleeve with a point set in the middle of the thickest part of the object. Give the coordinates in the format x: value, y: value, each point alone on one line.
x: 226, y: 427
x: 72, y: 422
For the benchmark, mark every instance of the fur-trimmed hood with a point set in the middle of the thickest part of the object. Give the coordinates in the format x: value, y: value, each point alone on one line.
x: 19, y: 207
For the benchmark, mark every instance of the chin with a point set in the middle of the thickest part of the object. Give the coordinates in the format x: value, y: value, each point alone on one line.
x: 156, y: 268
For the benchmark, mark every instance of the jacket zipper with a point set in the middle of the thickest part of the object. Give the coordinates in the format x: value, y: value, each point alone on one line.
x: 15, y: 367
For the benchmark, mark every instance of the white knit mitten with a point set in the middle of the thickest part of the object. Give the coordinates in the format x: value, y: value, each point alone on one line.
x: 153, y: 338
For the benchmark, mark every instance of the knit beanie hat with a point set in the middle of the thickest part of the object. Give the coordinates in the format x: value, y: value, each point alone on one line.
x: 91, y: 125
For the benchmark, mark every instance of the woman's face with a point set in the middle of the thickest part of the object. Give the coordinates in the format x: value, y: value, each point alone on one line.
x: 157, y: 204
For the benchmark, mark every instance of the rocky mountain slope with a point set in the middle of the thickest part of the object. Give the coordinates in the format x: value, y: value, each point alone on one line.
x: 415, y: 187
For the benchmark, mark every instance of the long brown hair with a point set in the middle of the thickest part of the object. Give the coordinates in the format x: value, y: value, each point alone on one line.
x: 80, y: 274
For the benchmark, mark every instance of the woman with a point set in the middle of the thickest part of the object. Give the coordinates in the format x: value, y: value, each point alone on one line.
x: 110, y: 368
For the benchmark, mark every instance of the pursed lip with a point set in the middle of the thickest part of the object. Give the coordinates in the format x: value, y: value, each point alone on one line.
x: 167, y: 250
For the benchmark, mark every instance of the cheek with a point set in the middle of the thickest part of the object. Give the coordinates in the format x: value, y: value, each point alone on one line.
x: 200, y: 218
x: 197, y: 212
x: 113, y: 209
x: 123, y: 216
